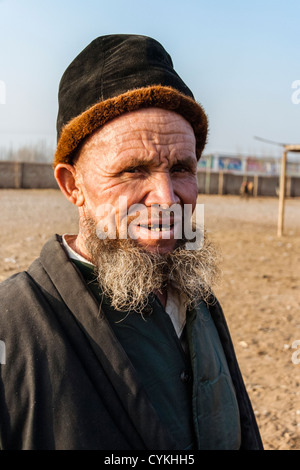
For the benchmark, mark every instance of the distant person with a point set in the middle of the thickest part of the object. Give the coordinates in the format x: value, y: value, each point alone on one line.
x: 246, y: 189
x: 117, y: 342
x: 250, y: 188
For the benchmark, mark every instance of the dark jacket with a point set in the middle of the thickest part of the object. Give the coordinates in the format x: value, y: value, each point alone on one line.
x: 67, y: 383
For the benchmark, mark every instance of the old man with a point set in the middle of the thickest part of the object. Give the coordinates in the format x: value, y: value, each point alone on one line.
x: 114, y: 339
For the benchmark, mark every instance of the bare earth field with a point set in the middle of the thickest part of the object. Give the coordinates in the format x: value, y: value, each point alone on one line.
x: 259, y: 290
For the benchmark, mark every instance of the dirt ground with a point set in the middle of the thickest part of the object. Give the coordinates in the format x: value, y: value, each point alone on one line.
x: 259, y: 291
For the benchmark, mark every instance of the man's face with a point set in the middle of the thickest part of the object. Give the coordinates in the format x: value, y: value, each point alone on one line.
x: 148, y: 157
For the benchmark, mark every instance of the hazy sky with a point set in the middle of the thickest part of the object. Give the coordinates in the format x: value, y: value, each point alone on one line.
x: 239, y: 57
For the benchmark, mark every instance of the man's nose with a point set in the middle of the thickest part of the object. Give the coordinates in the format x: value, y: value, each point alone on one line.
x: 161, y: 190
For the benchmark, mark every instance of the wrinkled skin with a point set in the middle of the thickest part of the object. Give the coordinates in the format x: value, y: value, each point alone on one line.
x: 148, y: 157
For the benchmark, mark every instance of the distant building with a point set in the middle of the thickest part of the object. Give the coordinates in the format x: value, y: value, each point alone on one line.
x: 246, y: 165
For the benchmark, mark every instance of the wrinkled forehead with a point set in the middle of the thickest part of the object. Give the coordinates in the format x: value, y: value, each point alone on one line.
x: 142, y: 131
x: 150, y: 119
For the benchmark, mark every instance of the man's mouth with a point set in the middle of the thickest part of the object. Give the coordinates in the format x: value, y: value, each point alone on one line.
x: 156, y: 230
x: 157, y: 227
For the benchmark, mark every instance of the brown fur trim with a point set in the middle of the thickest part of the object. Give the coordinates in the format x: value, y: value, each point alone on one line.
x: 95, y: 117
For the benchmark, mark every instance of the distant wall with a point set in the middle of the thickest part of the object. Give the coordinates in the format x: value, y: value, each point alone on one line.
x: 40, y: 175
x: 26, y: 175
x: 229, y: 183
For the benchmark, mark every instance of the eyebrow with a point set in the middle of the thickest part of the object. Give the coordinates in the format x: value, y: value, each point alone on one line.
x: 134, y: 162
x: 187, y: 160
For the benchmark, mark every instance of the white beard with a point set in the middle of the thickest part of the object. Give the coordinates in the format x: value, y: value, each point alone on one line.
x: 128, y: 274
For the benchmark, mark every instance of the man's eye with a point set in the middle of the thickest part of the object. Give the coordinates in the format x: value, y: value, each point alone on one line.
x: 138, y: 170
x: 180, y: 169
x: 132, y: 170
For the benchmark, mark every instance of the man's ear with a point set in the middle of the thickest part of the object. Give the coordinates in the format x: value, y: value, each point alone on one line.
x: 69, y: 184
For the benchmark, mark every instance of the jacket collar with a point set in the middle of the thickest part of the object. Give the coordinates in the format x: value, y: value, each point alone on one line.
x: 105, y: 345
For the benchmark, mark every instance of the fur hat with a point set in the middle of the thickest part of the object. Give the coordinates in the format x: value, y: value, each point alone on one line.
x: 116, y: 74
